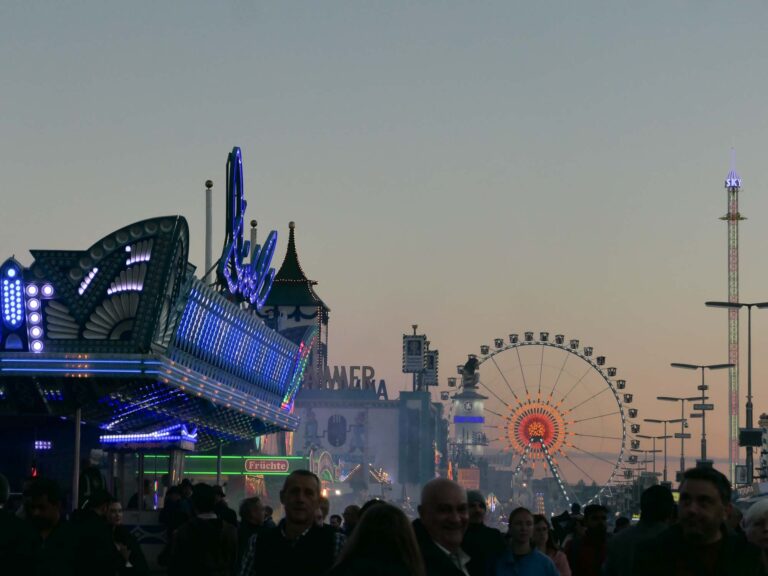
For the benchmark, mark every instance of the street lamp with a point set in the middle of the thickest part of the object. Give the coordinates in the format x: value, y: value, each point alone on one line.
x: 702, y: 406
x: 750, y: 431
x: 665, y: 436
x: 645, y: 457
x: 683, y: 435
x: 654, y: 451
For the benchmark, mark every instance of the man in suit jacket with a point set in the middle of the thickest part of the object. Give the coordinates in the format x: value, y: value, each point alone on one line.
x: 440, y: 528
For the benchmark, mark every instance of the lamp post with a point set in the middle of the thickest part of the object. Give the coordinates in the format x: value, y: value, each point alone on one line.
x: 654, y: 451
x: 702, y: 407
x: 748, y: 306
x: 645, y: 457
x: 683, y: 435
x: 665, y: 436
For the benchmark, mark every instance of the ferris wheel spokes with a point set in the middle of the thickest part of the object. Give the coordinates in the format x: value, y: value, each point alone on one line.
x: 559, y: 374
x: 595, y: 417
x: 588, y: 370
x: 604, y: 390
x: 522, y: 372
x: 505, y: 379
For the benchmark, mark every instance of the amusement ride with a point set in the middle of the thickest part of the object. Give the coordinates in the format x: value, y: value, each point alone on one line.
x: 553, y: 405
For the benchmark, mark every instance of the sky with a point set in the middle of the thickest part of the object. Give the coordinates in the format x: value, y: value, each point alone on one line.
x: 477, y: 169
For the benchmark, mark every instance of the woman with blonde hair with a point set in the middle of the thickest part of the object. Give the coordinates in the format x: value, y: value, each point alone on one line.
x: 382, y: 544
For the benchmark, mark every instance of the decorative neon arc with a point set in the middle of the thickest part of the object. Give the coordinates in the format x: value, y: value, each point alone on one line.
x: 175, y: 433
x: 251, y: 281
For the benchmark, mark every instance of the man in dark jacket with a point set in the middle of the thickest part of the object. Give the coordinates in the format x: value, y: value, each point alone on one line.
x: 657, y: 510
x: 481, y: 542
x: 222, y: 509
x: 297, y: 546
x: 55, y: 542
x: 699, y: 543
x: 96, y: 553
x: 587, y: 553
x: 440, y: 528
x: 206, y: 545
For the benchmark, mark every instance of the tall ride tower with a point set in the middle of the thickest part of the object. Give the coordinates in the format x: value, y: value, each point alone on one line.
x: 733, y: 185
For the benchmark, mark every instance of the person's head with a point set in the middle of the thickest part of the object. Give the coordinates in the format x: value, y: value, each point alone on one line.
x: 115, y: 513
x: 657, y: 504
x: 384, y: 533
x: 268, y: 511
x: 203, y: 498
x: 300, y: 497
x: 323, y: 508
x: 476, y: 504
x: 351, y: 516
x: 368, y: 504
x: 98, y: 503
x: 622, y: 523
x: 443, y: 512
x: 520, y: 526
x: 335, y: 521
x: 756, y: 524
x: 575, y: 508
x: 186, y: 488
x: 596, y: 520
x: 5, y: 490
x: 172, y: 495
x: 542, y: 533
x: 218, y: 494
x: 252, y: 511
x: 577, y: 526
x: 705, y: 498
x: 42, y: 503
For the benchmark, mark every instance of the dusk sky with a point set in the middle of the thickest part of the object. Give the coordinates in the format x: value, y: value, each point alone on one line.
x: 474, y: 168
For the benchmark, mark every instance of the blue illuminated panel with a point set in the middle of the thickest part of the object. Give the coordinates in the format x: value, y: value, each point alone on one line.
x: 12, y: 297
x: 175, y: 433
x: 468, y: 419
x: 221, y: 334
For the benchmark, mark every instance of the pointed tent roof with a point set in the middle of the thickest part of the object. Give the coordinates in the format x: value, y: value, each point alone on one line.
x: 291, y: 286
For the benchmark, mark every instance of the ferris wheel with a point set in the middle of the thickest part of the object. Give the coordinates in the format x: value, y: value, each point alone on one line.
x: 556, y: 407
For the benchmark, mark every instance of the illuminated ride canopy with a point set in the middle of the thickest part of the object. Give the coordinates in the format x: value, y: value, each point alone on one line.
x: 126, y: 332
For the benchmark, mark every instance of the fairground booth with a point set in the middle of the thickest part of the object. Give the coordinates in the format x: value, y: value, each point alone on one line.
x: 120, y: 344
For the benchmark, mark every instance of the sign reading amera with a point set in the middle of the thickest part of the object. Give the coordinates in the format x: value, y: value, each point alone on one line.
x: 261, y: 465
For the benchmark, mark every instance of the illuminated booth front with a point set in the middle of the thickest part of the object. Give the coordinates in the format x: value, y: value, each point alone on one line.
x: 123, y: 336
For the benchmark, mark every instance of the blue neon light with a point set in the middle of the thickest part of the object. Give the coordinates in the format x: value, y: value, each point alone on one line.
x: 12, y: 294
x: 468, y: 419
x: 219, y: 333
x: 250, y: 281
x: 175, y: 433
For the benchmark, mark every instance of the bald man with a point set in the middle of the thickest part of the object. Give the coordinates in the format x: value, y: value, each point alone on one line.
x: 443, y: 520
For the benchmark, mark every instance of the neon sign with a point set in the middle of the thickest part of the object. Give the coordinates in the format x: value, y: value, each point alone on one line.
x: 252, y: 281
x: 266, y: 465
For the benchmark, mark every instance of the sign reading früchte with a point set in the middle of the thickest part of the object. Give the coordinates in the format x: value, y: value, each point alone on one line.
x: 266, y: 465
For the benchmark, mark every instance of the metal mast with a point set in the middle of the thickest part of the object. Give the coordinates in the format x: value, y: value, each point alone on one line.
x: 733, y: 185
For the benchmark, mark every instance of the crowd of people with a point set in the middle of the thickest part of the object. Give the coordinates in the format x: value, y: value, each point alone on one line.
x: 700, y: 535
